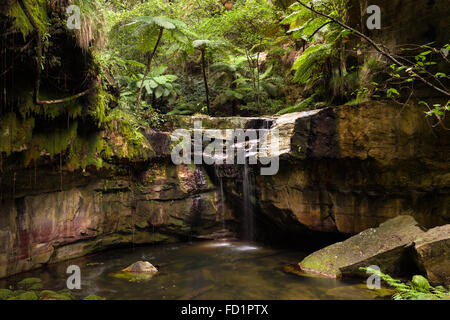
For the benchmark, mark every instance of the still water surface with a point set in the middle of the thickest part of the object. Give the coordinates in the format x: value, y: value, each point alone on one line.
x: 199, y: 270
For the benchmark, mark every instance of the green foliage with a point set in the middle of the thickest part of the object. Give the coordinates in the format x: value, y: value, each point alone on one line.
x: 417, y: 289
x: 302, y: 106
x: 37, y: 8
x: 159, y: 85
x: 94, y: 297
x: 14, y: 132
x: 322, y: 65
x: 147, y: 28
x: 437, y: 110
x: 310, y: 61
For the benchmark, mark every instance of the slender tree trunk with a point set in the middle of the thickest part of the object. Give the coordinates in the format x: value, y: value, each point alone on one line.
x: 149, y: 64
x: 258, y: 91
x: 233, y: 103
x: 205, y: 79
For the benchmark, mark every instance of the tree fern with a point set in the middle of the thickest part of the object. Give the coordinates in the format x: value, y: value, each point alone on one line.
x: 417, y: 289
x: 311, y: 59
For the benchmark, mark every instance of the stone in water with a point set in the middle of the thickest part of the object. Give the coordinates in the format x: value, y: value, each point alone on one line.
x: 141, y: 267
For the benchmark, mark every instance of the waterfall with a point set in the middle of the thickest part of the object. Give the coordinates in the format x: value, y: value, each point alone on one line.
x: 246, y: 171
x: 249, y: 189
x: 222, y: 202
x: 248, y: 195
x: 219, y: 179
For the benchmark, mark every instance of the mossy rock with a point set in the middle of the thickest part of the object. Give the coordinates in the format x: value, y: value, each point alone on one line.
x: 133, y: 277
x: 5, y: 294
x: 28, y: 283
x: 17, y: 293
x: 52, y: 295
x: 420, y: 283
x: 36, y: 286
x: 28, y: 295
x: 94, y: 297
x: 295, y: 270
x: 383, y: 246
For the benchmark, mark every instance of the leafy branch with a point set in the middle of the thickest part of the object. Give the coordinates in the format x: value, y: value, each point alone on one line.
x: 376, y: 46
x: 417, y: 289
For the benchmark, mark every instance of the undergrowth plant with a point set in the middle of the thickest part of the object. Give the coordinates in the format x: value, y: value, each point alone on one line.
x: 417, y: 289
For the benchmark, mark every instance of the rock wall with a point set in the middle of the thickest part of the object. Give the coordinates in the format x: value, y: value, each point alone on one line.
x: 404, y: 21
x: 346, y: 169
x: 161, y: 203
x: 342, y: 170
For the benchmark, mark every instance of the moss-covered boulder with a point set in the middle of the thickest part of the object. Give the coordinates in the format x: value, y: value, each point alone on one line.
x: 433, y: 254
x: 30, y: 284
x: 52, y: 295
x: 5, y: 294
x: 28, y: 295
x: 93, y: 297
x: 385, y: 246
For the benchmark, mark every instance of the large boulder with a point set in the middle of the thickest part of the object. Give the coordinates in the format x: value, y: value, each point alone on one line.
x: 385, y: 246
x: 433, y: 254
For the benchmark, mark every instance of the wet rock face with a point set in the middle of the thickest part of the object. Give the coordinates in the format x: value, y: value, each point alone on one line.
x: 346, y: 169
x: 385, y: 246
x: 162, y: 203
x: 433, y: 254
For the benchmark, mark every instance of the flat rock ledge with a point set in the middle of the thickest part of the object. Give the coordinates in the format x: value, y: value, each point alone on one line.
x: 386, y: 246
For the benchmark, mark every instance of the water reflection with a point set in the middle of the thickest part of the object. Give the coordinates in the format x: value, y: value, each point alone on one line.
x: 200, y: 270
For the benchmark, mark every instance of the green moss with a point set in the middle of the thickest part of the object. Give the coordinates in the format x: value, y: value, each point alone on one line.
x: 37, y: 8
x: 94, y: 297
x: 85, y: 151
x: 323, y: 263
x: 5, y: 294
x: 56, y: 141
x: 14, y: 133
x: 17, y: 293
x: 78, y: 149
x: 36, y: 286
x: 132, y: 277
x: 29, y: 295
x: 27, y: 283
x: 128, y: 126
x: 420, y: 283
x: 99, y: 109
x: 52, y: 295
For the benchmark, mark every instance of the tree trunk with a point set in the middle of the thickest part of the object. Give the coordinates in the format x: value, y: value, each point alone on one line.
x: 205, y: 79
x: 149, y: 64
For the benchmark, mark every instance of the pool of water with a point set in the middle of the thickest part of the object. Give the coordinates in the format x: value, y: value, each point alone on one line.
x: 199, y: 270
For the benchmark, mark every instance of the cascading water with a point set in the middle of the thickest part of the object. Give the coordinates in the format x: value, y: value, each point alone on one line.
x: 248, y: 185
x: 222, y: 202
x: 225, y: 171
x: 218, y: 178
x: 248, y: 196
